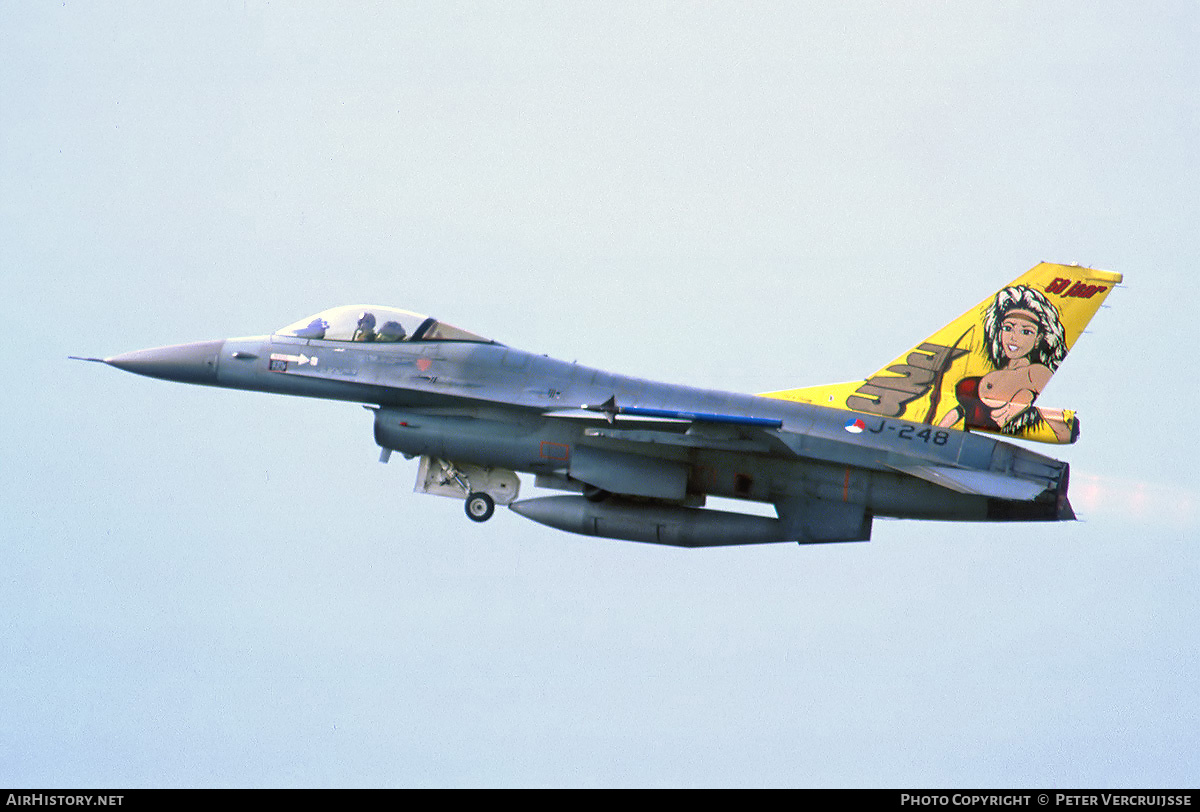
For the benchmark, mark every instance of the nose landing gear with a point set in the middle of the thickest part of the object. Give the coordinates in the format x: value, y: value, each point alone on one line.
x: 479, y: 507
x: 481, y: 488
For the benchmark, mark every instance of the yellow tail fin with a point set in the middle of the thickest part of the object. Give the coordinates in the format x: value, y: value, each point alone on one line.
x: 985, y: 369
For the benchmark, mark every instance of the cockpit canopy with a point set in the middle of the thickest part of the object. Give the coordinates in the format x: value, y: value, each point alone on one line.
x: 375, y: 323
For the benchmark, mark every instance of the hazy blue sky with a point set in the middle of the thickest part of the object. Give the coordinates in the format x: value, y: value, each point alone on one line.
x: 213, y: 588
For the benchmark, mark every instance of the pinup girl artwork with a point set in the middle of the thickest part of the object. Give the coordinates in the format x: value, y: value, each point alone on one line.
x: 1025, y: 343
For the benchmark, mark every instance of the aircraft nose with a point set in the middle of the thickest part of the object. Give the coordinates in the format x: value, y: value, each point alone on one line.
x: 186, y: 363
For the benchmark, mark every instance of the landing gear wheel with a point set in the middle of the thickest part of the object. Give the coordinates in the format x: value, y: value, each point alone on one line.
x: 480, y: 507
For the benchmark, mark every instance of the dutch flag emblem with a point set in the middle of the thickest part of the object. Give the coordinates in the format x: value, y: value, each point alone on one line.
x: 855, y: 425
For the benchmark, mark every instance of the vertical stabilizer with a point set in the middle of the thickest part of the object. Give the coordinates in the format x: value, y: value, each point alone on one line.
x: 985, y: 369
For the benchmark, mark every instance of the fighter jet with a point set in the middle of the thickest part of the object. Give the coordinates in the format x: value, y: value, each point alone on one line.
x: 926, y: 437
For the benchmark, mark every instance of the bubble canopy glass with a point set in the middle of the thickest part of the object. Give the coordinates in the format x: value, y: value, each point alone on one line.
x: 375, y: 323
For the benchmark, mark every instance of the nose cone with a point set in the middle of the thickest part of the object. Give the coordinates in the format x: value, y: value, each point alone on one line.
x: 186, y: 363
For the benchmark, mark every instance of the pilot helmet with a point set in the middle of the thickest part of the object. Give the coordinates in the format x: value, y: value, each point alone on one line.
x: 392, y: 331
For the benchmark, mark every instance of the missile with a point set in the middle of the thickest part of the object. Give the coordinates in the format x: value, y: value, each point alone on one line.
x: 610, y: 410
x: 652, y: 523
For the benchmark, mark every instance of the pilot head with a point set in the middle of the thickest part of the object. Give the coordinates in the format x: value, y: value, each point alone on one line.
x: 391, y: 331
x: 366, y: 327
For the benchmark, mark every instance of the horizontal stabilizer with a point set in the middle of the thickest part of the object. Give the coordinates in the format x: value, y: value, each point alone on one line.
x: 977, y: 483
